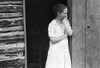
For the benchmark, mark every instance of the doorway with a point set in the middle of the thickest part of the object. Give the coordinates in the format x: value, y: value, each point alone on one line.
x: 38, y: 16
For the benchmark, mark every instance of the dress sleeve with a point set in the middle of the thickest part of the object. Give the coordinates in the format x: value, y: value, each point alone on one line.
x: 51, y: 30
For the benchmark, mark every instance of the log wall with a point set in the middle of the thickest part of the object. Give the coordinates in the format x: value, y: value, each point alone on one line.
x: 12, y: 34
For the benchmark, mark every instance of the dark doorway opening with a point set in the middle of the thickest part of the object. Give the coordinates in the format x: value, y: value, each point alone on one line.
x: 38, y: 16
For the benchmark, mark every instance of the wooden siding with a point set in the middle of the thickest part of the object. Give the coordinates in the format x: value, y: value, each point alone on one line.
x: 86, y: 37
x: 78, y: 39
x: 93, y: 34
x: 12, y: 42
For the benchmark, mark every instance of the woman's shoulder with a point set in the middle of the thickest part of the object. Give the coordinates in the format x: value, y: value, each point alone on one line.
x: 53, y: 22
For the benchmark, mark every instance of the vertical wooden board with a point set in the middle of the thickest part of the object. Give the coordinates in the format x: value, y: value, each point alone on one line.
x: 69, y: 5
x: 78, y: 38
x: 93, y: 34
x: 97, y: 22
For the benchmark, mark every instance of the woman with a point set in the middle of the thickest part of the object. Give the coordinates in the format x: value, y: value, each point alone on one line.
x: 58, y: 30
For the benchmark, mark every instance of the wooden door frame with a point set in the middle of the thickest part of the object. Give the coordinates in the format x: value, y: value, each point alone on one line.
x: 69, y: 6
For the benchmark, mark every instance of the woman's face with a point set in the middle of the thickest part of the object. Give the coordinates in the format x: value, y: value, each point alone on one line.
x: 63, y: 14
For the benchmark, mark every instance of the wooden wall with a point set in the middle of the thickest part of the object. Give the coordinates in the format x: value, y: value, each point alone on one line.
x: 12, y: 35
x: 86, y: 37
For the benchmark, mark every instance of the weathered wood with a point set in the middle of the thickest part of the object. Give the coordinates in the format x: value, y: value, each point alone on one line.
x: 9, y: 46
x: 11, y: 8
x: 12, y: 43
x: 10, y: 15
x: 12, y: 55
x: 93, y: 34
x: 11, y: 22
x: 10, y: 38
x: 78, y: 38
x: 11, y: 2
x: 69, y: 6
x: 90, y: 21
x: 12, y: 33
x: 4, y: 58
x: 8, y: 49
x: 12, y: 62
x: 12, y: 19
x: 15, y: 28
x: 12, y: 51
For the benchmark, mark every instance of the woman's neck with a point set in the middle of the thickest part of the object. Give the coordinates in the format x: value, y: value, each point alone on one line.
x: 58, y: 19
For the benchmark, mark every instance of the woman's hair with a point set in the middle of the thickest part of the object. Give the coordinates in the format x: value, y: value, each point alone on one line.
x: 58, y: 8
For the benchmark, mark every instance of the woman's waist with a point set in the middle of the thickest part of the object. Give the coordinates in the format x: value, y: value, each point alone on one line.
x: 59, y: 35
x: 60, y: 45
x: 64, y: 41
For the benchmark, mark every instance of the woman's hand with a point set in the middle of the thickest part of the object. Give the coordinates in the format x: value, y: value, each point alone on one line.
x: 68, y: 29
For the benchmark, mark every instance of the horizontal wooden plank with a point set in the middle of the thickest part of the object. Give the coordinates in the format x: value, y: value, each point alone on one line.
x: 9, y: 46
x: 11, y: 8
x: 17, y: 63
x: 9, y: 38
x: 12, y: 51
x: 4, y: 58
x: 11, y: 22
x: 11, y: 28
x: 11, y: 2
x: 13, y: 41
x: 12, y: 33
x: 10, y: 15
x: 12, y: 19
x: 13, y: 55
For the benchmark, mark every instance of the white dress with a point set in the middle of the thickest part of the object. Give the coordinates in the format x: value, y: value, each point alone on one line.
x: 58, y: 54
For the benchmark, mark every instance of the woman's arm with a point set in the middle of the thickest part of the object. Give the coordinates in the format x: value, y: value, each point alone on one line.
x: 68, y: 29
x: 57, y: 39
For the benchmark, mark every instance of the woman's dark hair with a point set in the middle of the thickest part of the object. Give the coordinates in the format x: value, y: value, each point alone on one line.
x: 58, y: 8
